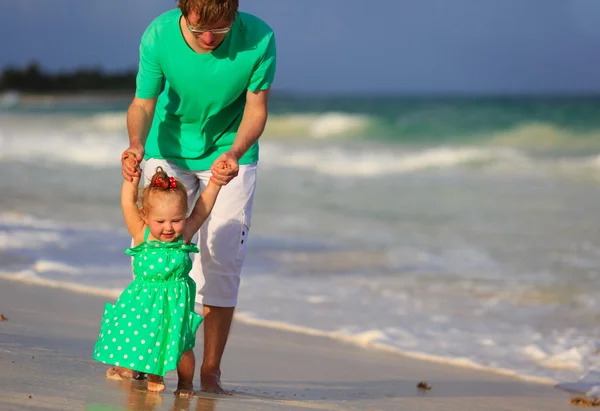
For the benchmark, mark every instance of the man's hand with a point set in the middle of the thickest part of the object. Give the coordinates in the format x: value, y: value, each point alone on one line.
x: 225, y: 168
x: 130, y: 162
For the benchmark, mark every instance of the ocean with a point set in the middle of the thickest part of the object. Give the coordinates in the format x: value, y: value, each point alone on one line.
x: 461, y: 230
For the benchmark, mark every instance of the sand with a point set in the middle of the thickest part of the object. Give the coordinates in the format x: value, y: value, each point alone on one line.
x: 45, y: 364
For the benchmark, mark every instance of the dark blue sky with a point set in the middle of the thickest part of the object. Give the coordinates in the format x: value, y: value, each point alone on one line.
x: 411, y: 46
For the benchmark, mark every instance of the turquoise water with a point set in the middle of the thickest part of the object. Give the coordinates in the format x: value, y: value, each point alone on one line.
x: 461, y: 230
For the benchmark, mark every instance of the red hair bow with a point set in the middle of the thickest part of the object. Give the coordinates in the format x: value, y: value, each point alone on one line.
x: 159, y: 182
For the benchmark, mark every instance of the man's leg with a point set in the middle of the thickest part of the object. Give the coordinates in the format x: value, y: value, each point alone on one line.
x: 217, y: 323
x: 222, y: 242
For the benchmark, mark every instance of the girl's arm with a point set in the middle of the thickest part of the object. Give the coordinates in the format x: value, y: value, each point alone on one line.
x: 131, y: 212
x: 202, y: 209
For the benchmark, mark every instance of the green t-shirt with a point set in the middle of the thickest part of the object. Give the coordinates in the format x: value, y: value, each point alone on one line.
x: 201, y: 106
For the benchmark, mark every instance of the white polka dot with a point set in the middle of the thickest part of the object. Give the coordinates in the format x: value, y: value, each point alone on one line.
x: 166, y: 268
x: 145, y: 326
x: 173, y: 260
x: 133, y: 349
x: 138, y: 316
x: 160, y: 260
x: 116, y: 324
x: 171, y: 359
x: 132, y: 365
x: 141, y: 357
x: 106, y: 347
x: 111, y: 356
x: 122, y: 305
x: 149, y: 351
x: 151, y: 334
x: 125, y: 356
x: 135, y: 333
x: 109, y: 331
x: 124, y: 316
x: 181, y: 305
x: 121, y: 332
x: 157, y: 343
x: 147, y: 367
x: 117, y: 363
x: 143, y: 341
x: 133, y: 309
x: 119, y: 348
x: 114, y: 340
x: 160, y: 311
x: 152, y: 320
x: 126, y: 339
x: 152, y: 267
x: 129, y: 324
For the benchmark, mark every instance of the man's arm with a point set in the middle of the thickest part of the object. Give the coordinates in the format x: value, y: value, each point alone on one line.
x: 252, y: 126
x: 139, y: 120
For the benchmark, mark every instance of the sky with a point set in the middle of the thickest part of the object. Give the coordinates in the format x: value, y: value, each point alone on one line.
x: 346, y: 46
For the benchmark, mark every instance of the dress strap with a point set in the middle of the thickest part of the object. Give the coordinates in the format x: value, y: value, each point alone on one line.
x: 146, y: 233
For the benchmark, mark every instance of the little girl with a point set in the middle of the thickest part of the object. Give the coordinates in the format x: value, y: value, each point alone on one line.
x: 151, y: 328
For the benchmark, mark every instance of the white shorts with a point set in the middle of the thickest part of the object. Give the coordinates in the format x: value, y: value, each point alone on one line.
x: 223, y: 237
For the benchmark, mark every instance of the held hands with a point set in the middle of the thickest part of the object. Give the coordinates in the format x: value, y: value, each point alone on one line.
x: 130, y: 162
x: 224, y: 168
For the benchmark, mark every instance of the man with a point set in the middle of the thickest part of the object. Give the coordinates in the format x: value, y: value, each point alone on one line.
x: 217, y: 65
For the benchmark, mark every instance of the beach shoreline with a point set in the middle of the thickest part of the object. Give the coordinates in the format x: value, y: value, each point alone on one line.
x: 48, y: 337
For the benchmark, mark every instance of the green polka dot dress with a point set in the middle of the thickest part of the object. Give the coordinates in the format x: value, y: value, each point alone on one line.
x: 153, y: 322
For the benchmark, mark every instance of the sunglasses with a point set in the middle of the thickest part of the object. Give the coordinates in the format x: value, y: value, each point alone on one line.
x: 222, y: 30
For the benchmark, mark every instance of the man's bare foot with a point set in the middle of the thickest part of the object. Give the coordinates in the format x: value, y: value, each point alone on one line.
x: 120, y: 373
x: 185, y: 390
x: 156, y: 383
x: 211, y: 383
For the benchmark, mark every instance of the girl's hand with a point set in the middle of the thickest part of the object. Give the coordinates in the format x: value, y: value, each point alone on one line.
x: 130, y: 167
x: 219, y: 169
x: 130, y: 162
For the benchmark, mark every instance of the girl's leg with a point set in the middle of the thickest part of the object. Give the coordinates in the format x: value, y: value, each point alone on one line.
x: 185, y: 373
x: 155, y: 383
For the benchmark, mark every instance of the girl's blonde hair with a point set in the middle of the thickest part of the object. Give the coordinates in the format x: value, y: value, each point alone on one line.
x: 162, y: 183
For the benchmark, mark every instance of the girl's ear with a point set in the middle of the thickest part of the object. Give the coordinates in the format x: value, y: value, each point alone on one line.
x: 144, y: 215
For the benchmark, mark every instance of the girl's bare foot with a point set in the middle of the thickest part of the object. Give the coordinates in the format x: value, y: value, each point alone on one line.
x: 185, y: 390
x: 155, y: 383
x: 120, y: 373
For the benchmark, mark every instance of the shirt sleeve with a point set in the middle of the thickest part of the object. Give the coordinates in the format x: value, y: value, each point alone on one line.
x: 264, y: 72
x: 150, y: 76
